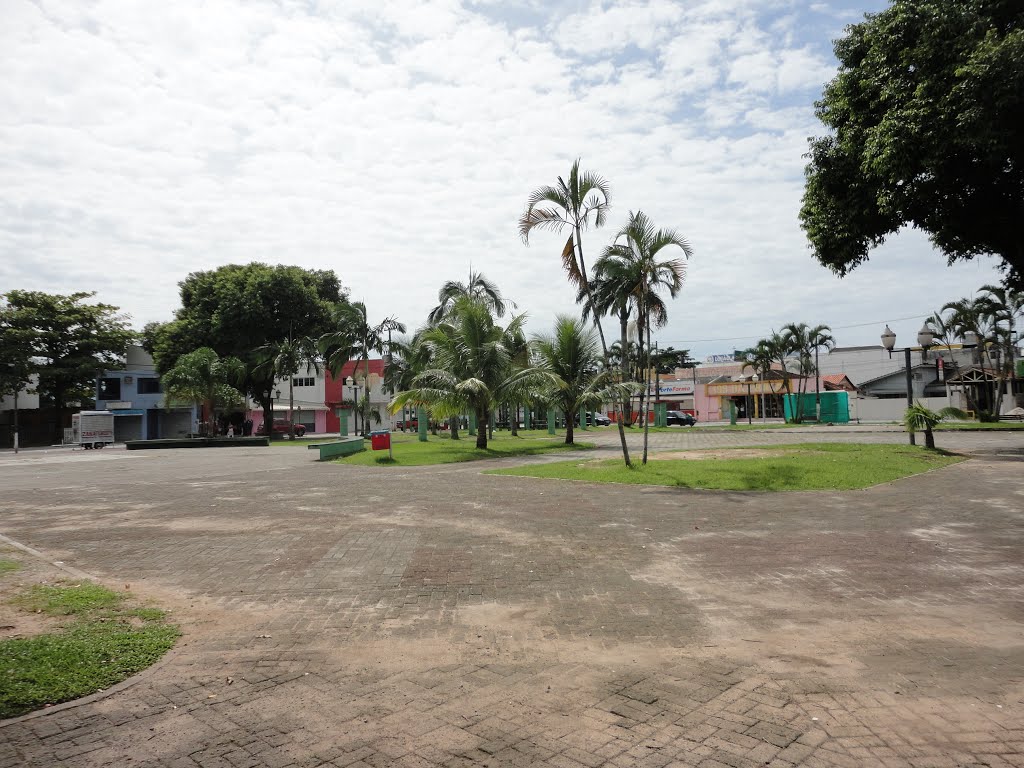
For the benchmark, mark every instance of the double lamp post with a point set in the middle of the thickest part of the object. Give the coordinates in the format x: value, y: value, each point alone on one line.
x: 925, y: 338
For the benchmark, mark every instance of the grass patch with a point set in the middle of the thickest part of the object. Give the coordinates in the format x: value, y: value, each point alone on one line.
x: 75, y: 600
x: 106, y: 641
x: 810, y: 467
x: 6, y: 566
x: 980, y: 426
x: 409, y: 452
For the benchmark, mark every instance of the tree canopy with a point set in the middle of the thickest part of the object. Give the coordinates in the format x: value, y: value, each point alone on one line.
x: 67, y: 341
x: 927, y: 129
x: 237, y: 309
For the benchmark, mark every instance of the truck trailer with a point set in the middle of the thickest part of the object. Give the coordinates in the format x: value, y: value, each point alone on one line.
x: 92, y: 429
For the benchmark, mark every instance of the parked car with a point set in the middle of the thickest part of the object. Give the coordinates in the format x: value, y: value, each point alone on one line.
x: 680, y: 419
x: 282, y: 427
x: 598, y: 419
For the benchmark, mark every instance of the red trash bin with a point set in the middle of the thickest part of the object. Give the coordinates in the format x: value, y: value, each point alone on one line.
x: 380, y: 441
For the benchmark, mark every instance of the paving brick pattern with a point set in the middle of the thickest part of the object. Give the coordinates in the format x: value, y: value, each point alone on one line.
x: 341, y: 616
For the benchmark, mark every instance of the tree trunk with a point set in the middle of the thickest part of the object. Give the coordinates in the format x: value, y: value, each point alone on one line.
x: 929, y: 438
x: 817, y: 388
x: 481, y: 427
x: 453, y: 427
x: 578, y: 249
x: 647, y: 384
x: 514, y: 420
x: 627, y: 402
x: 268, y: 416
x: 291, y: 407
x: 569, y: 421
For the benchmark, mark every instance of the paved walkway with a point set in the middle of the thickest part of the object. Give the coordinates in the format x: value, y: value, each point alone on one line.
x: 349, y: 616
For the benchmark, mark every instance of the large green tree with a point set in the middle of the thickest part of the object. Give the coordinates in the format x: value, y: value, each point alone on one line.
x: 235, y: 309
x: 926, y: 129
x: 208, y: 380
x: 69, y: 341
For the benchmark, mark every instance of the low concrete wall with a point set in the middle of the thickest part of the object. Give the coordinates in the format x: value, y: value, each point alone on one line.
x: 890, y: 409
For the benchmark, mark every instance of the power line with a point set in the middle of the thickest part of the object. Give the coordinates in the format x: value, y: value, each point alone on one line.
x: 835, y: 328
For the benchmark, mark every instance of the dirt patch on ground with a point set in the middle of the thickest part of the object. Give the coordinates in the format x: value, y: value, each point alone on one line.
x: 14, y: 620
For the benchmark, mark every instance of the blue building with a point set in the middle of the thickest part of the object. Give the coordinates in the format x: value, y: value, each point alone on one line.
x: 136, y: 399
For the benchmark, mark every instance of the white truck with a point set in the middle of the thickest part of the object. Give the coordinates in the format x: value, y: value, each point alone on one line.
x: 92, y: 429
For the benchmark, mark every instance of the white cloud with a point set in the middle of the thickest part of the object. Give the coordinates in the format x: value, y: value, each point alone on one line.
x: 396, y: 143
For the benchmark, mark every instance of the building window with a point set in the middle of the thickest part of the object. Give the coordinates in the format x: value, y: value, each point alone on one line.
x: 149, y: 386
x: 307, y: 381
x: 110, y: 389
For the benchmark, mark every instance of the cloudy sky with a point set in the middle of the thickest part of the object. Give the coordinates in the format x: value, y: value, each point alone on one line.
x: 397, y: 142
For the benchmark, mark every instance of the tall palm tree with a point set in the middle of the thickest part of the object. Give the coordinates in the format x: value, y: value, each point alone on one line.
x: 286, y: 358
x: 1006, y: 306
x: 761, y: 357
x: 797, y: 338
x: 206, y: 379
x: 638, y: 247
x: 818, y: 337
x: 477, y: 287
x: 571, y: 352
x: 974, y: 316
x: 355, y: 339
x: 471, y: 367
x: 614, y: 285
x: 575, y: 203
x: 777, y: 348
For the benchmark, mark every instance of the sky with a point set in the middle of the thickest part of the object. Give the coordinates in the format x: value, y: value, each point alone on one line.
x: 397, y: 142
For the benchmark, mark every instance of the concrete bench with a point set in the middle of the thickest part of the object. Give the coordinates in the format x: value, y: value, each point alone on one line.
x: 346, y: 446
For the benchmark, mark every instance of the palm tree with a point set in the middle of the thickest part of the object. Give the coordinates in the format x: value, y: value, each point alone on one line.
x: 974, y: 316
x: 817, y: 337
x: 355, y: 339
x: 477, y: 287
x: 802, y: 340
x: 576, y: 203
x: 572, y: 354
x: 919, y: 418
x: 471, y: 367
x: 637, y: 247
x: 286, y: 358
x: 613, y: 288
x: 1005, y: 305
x: 209, y: 381
x: 760, y: 357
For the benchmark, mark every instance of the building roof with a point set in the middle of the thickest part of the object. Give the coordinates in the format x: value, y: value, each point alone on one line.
x: 835, y: 381
x: 972, y: 375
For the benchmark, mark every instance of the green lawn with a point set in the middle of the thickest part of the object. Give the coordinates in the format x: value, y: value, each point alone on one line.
x: 409, y: 452
x: 106, y: 640
x: 980, y: 425
x: 813, y: 466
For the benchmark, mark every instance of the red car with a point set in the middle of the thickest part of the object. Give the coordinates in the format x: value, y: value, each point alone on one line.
x: 282, y: 427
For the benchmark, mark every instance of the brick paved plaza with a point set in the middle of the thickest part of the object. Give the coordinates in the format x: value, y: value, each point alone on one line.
x: 346, y: 616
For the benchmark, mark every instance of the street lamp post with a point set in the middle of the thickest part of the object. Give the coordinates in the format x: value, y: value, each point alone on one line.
x: 754, y: 379
x: 749, y: 416
x: 355, y: 398
x: 925, y: 337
